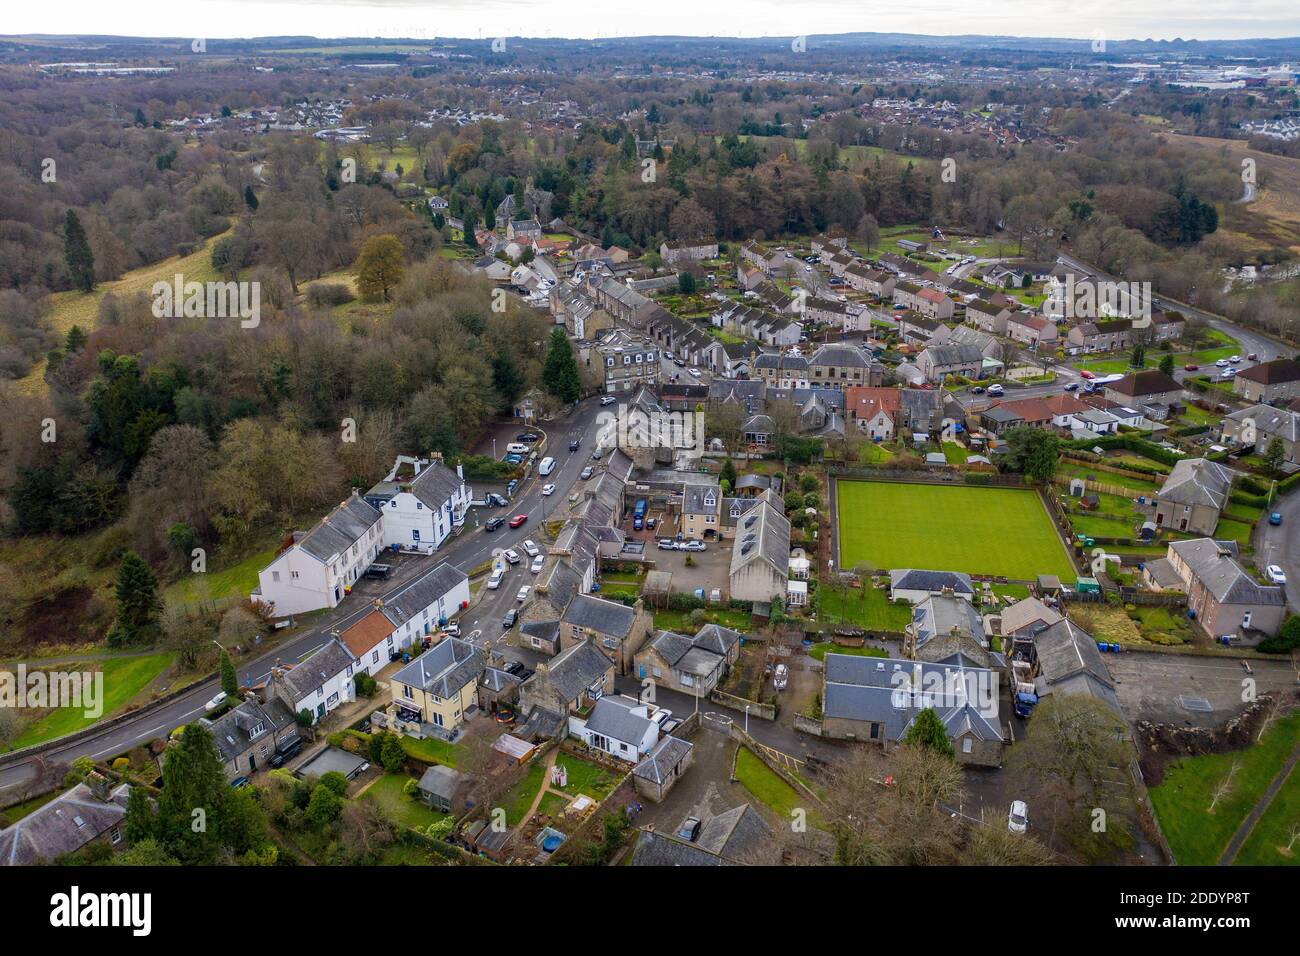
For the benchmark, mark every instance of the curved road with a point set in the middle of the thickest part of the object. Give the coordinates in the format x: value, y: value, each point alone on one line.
x: 470, y: 549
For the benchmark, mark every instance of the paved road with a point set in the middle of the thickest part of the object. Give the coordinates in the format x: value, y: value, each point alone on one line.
x: 470, y: 549
x: 1280, y: 545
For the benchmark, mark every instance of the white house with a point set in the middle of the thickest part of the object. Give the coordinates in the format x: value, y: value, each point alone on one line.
x: 318, y: 684
x: 422, y: 501
x: 319, y: 568
x: 406, y: 615
x: 619, y: 726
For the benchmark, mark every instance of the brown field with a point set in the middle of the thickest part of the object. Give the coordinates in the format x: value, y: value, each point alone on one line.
x: 1273, y: 219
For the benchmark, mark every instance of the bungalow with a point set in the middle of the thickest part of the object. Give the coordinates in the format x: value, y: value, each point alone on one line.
x: 914, y: 585
x: 620, y: 630
x: 662, y: 767
x: 439, y: 689
x: 1193, y: 496
x: 869, y: 698
x: 691, y: 665
x: 618, y: 726
x: 322, y: 564
x: 937, y: 362
x: 422, y: 502
x: 738, y: 837
x: 1269, y: 382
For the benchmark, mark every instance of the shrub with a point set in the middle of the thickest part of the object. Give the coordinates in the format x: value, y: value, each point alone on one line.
x: 324, y: 295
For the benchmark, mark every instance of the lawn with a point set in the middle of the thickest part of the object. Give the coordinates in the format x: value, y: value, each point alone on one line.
x: 1267, y: 843
x: 586, y: 777
x: 680, y: 621
x: 1182, y: 801
x: 430, y: 750
x: 1230, y: 530
x: 239, y: 578
x: 124, y: 678
x: 520, y: 797
x: 768, y: 788
x: 866, y: 607
x: 949, y: 528
x: 397, y: 806
x: 1100, y: 526
x: 818, y: 652
x: 1079, y: 469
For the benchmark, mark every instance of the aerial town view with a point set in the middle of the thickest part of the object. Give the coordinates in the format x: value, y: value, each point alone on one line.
x: 512, y: 435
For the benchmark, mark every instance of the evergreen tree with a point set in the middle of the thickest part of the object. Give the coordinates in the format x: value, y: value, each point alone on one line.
x: 229, y: 680
x: 76, y: 340
x: 194, y: 788
x: 137, y: 602
x: 927, y: 731
x: 1167, y: 363
x: 728, y: 473
x: 1275, y: 455
x: 250, y: 197
x: 560, y: 373
x: 77, y: 254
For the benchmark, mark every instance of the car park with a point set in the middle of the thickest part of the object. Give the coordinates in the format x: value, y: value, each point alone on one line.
x: 1275, y: 574
x: 494, y: 581
x: 509, y: 620
x: 524, y: 591
x: 1018, y: 818
x: 216, y: 702
x: 518, y: 521
x: 548, y: 490
x: 539, y: 562
x: 530, y: 548
x: 493, y: 523
x: 512, y: 556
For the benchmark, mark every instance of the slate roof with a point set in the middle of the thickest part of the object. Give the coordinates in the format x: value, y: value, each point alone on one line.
x: 839, y: 356
x: 1197, y: 481
x: 1149, y: 382
x: 914, y: 579
x: 1271, y: 421
x: 598, y: 614
x: 1276, y: 372
x: 616, y: 718
x: 435, y: 485
x: 954, y: 354
x: 762, y: 535
x: 325, y: 662
x: 738, y: 837
x: 865, y: 689
x: 410, y: 601
x: 1218, y: 571
x: 340, y: 529
x: 53, y: 830
x: 693, y: 499
x: 576, y: 668
x: 232, y: 731
x: 658, y: 764
x: 1069, y: 662
x: 496, y: 680
x: 941, y: 613
x: 546, y: 630
x: 444, y: 669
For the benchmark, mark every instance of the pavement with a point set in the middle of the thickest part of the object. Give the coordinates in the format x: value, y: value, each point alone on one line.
x: 1280, y: 545
x: 470, y: 549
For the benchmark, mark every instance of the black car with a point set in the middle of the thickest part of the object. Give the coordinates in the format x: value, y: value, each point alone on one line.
x: 281, y: 757
x: 499, y: 500
x: 380, y: 571
x: 493, y: 523
x: 573, y: 445
x: 515, y: 667
x: 527, y: 436
x: 509, y: 620
x: 690, y: 830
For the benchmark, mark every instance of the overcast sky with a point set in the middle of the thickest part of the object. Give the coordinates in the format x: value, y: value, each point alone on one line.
x: 1116, y: 19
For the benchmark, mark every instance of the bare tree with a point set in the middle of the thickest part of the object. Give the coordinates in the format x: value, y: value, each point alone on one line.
x: 1224, y: 786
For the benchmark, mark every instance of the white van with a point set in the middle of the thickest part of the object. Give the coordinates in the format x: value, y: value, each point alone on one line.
x: 517, y: 448
x: 546, y: 467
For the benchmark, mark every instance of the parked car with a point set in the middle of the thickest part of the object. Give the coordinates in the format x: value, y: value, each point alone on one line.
x: 548, y: 490
x: 513, y: 459
x: 1191, y: 367
x: 1222, y: 363
x: 690, y: 831
x: 781, y: 677
x: 670, y: 725
x: 539, y: 562
x: 1018, y: 818
x: 494, y: 581
x: 995, y: 389
x: 530, y: 548
x: 660, y: 717
x: 667, y: 544
x: 528, y: 436
x: 509, y: 620
x: 587, y: 473
x: 1234, y: 360
x: 977, y: 390
x: 693, y: 545
x: 1071, y: 386
x: 518, y: 448
x: 216, y: 702
x: 608, y: 399
x: 493, y: 523
x: 451, y: 629
x: 281, y: 757
x: 1275, y: 518
x: 512, y: 556
x: 693, y: 372
x: 379, y: 571
x: 524, y: 591
x: 1228, y: 373
x: 499, y: 501
x: 598, y: 454
x: 518, y: 521
x: 1275, y: 574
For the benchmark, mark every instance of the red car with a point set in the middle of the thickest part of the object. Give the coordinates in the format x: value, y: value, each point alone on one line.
x: 1086, y: 374
x: 1191, y: 368
x: 518, y: 520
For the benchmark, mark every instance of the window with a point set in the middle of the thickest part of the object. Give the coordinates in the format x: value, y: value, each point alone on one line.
x: 374, y: 658
x: 419, y: 506
x: 115, y: 835
x: 688, y: 680
x: 256, y: 730
x: 293, y: 575
x: 406, y: 692
x: 967, y: 745
x: 610, y: 642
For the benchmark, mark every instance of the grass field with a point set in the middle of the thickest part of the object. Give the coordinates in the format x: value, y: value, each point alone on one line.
x: 994, y: 531
x: 397, y: 806
x: 769, y: 789
x: 124, y: 678
x: 1270, y: 843
x: 240, y: 578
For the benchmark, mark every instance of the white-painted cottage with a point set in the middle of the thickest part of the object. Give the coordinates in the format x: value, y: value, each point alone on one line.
x: 318, y: 684
x: 422, y: 501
